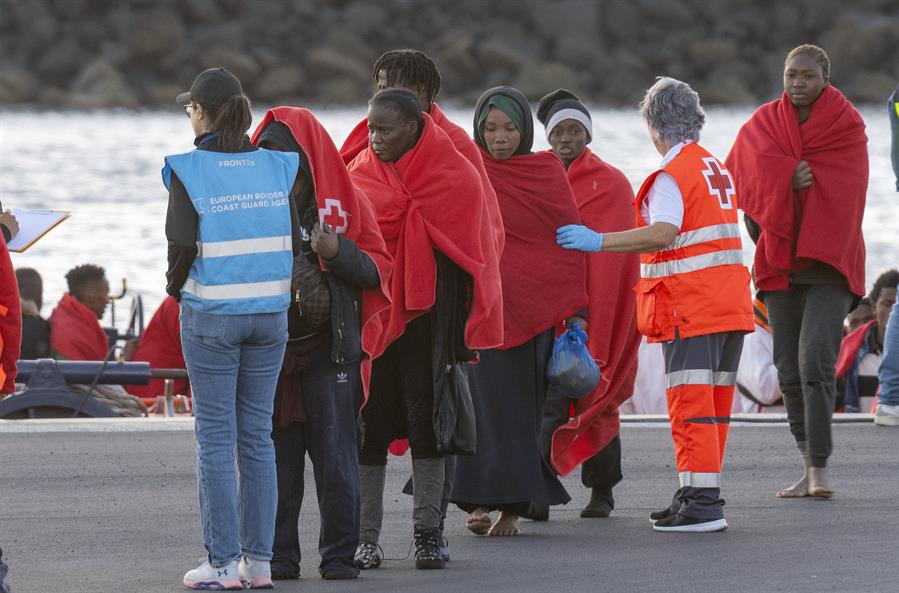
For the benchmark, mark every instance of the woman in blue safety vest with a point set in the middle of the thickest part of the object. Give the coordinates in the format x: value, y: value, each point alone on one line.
x: 232, y: 232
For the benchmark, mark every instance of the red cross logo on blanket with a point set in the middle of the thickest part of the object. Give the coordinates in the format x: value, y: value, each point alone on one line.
x: 719, y: 182
x: 334, y: 216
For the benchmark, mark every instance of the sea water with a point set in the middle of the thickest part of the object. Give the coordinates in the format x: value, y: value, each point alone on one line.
x: 104, y: 167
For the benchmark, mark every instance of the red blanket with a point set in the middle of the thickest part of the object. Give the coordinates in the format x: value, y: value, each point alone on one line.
x: 357, y: 141
x: 10, y: 320
x: 161, y: 347
x: 822, y: 222
x: 605, y: 204
x: 543, y: 284
x: 75, y: 332
x: 347, y: 211
x: 431, y: 199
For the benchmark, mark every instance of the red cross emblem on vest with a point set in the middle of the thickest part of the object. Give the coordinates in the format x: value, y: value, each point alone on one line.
x: 719, y: 182
x: 334, y: 216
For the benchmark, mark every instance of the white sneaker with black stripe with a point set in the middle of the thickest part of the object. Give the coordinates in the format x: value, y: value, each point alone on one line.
x: 683, y: 524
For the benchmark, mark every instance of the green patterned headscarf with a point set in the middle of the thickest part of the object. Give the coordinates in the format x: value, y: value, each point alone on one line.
x: 507, y: 105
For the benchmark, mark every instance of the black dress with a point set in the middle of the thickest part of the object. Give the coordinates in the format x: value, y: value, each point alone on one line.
x: 508, y: 473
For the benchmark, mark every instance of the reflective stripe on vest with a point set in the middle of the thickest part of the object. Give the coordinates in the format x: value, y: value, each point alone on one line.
x: 700, y: 479
x: 249, y: 290
x: 700, y: 377
x: 705, y: 234
x: 692, y: 264
x: 244, y: 246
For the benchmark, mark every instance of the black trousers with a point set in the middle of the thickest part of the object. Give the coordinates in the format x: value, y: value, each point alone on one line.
x: 806, y: 325
x: 401, y: 398
x: 331, y: 398
x: 603, y: 470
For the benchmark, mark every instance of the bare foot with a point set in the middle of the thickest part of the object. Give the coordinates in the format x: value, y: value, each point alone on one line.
x: 479, y: 521
x: 797, y: 490
x: 506, y: 525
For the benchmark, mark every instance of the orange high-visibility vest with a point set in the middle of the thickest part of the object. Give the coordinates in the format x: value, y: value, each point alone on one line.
x: 698, y: 285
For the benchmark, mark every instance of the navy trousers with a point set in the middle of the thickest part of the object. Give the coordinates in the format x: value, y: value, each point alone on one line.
x: 331, y: 398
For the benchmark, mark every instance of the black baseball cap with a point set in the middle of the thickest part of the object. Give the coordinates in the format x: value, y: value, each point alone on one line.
x: 212, y: 87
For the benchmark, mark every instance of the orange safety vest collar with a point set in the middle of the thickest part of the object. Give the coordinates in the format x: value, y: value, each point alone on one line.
x: 697, y: 285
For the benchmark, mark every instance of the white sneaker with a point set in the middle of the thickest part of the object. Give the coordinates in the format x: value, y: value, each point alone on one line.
x: 886, y: 415
x: 255, y: 574
x: 208, y: 578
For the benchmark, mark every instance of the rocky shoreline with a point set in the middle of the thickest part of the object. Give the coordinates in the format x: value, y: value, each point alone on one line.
x: 141, y: 53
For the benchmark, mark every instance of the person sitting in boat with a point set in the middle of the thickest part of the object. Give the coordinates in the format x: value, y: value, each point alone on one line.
x: 35, y: 329
x: 75, y: 332
x: 862, y: 350
x: 160, y: 345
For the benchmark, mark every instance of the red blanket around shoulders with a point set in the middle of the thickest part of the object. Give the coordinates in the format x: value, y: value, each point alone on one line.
x: 347, y: 210
x: 75, y: 332
x: 822, y: 222
x: 161, y: 347
x: 10, y: 320
x: 543, y: 284
x: 357, y: 141
x: 604, y: 199
x: 431, y: 199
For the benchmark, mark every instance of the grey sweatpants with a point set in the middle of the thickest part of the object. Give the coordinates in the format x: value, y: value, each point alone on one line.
x: 806, y: 323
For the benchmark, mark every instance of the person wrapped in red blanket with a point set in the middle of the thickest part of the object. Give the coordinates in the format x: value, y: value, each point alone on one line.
x: 432, y: 213
x: 800, y: 165
x: 543, y: 286
x: 75, y: 332
x: 604, y: 198
x: 325, y: 374
x: 10, y: 311
x: 160, y: 345
x: 415, y: 71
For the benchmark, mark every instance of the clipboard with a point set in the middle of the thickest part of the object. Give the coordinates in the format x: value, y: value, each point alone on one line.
x: 34, y: 224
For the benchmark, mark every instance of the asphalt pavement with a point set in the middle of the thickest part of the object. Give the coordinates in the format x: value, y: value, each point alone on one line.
x: 89, y: 510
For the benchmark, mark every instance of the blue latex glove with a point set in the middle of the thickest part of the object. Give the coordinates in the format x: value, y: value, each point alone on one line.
x: 577, y: 236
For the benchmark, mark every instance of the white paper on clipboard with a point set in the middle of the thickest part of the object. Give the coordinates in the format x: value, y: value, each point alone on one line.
x: 34, y: 224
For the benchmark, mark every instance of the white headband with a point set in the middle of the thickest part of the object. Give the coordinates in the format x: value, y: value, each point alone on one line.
x: 575, y: 114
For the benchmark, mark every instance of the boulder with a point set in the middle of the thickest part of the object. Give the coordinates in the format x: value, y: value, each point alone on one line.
x: 100, y: 84
x: 240, y: 63
x: 285, y: 80
x: 17, y: 85
x: 869, y: 86
x: 62, y: 60
x: 538, y: 79
x: 325, y: 63
x: 155, y: 32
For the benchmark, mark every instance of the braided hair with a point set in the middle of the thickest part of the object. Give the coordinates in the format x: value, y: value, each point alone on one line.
x: 814, y: 52
x: 401, y: 101
x: 409, y: 67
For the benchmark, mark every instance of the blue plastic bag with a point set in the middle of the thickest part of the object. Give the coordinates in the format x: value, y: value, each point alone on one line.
x: 572, y: 371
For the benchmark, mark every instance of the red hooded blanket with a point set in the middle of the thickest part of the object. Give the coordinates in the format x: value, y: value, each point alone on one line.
x: 10, y: 321
x: 605, y: 204
x: 75, y: 332
x: 357, y: 141
x: 161, y: 347
x: 822, y: 222
x: 347, y: 210
x: 431, y: 199
x: 543, y: 284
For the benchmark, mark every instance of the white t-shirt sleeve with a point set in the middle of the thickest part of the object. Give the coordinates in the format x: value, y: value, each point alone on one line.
x: 664, y: 203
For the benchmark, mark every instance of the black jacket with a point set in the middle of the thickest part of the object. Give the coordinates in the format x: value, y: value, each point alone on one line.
x: 349, y: 272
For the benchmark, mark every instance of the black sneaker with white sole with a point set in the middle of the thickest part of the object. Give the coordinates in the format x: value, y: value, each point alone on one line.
x: 427, y: 549
x: 683, y: 524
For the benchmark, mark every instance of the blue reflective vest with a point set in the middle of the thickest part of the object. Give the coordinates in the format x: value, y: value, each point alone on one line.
x: 244, y: 245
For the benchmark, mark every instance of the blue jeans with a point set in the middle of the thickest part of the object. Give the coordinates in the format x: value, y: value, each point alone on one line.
x: 889, y: 365
x: 233, y: 362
